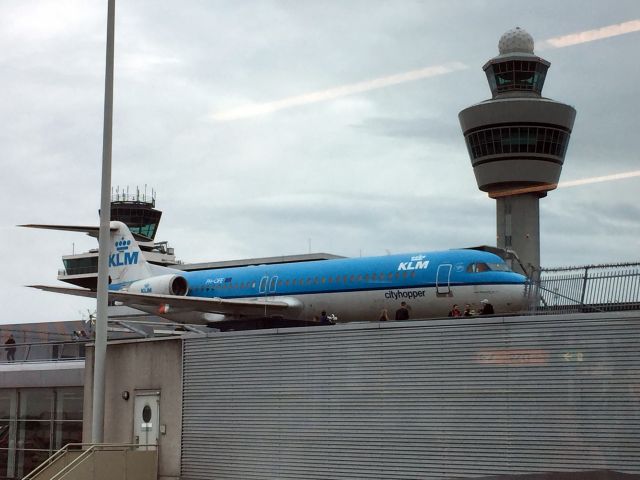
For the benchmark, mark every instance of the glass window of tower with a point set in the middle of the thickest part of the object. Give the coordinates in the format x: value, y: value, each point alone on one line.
x: 522, y: 139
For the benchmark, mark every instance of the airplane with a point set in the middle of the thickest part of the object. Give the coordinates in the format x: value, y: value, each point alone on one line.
x: 353, y: 289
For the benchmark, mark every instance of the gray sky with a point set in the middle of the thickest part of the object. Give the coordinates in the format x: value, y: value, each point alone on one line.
x: 262, y: 125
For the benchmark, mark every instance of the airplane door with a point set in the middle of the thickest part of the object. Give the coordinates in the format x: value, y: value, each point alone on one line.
x: 442, y: 279
x: 146, y: 420
x: 263, y: 284
x: 273, y: 284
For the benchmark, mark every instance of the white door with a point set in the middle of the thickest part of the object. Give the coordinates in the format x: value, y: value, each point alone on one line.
x: 443, y: 277
x: 146, y: 419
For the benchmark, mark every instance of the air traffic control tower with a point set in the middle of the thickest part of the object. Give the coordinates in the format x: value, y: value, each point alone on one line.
x: 517, y: 142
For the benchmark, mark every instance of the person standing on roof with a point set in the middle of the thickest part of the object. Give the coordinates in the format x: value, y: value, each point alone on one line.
x: 403, y: 312
x: 11, y: 349
x: 487, y: 308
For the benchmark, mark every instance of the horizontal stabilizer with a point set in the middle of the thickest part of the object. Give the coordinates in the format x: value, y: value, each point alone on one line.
x: 89, y: 230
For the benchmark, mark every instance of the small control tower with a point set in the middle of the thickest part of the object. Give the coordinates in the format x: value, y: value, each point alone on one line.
x: 517, y: 142
x: 137, y: 211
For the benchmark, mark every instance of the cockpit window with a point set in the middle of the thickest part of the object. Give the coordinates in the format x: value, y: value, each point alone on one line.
x: 499, y: 267
x: 478, y: 267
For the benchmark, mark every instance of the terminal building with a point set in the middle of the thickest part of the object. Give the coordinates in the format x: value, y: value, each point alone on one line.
x: 553, y: 393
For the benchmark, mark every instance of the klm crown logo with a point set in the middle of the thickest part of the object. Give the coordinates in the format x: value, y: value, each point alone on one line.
x: 122, y: 245
x: 122, y: 256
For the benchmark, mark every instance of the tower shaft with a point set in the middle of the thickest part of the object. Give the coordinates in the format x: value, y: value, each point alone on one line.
x: 518, y: 229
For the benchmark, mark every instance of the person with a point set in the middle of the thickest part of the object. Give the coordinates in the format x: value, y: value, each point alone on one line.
x: 467, y: 311
x: 324, y: 320
x: 487, y: 308
x: 11, y: 349
x: 403, y: 312
x: 384, y: 316
x: 454, y: 312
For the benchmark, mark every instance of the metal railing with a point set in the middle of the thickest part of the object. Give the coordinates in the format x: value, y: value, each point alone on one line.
x: 589, y: 288
x: 43, y: 351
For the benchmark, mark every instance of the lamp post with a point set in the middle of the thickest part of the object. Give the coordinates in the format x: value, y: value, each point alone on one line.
x: 100, y: 350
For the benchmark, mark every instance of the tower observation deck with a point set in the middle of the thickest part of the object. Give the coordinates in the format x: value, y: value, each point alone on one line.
x: 137, y: 211
x: 517, y: 142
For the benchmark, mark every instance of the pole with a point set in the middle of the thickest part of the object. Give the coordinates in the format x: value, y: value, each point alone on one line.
x: 100, y: 352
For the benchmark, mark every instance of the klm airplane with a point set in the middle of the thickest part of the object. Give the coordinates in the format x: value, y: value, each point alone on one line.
x: 353, y: 289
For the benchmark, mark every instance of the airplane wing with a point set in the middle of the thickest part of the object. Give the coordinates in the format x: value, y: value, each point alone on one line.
x: 218, y: 305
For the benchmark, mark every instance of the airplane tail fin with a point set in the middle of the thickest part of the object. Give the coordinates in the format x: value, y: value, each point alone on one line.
x: 126, y: 261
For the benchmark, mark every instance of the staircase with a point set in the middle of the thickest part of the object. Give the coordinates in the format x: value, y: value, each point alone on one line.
x: 99, y: 461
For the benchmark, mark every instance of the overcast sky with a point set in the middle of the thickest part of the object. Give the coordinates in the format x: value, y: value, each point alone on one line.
x: 268, y: 126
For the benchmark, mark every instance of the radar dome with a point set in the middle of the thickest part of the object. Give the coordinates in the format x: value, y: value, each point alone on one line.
x: 515, y: 40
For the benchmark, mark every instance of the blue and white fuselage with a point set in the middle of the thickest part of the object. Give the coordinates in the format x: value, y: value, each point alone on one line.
x: 353, y: 289
x: 359, y: 288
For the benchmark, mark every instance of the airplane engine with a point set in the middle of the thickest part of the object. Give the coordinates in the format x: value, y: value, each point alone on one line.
x: 162, y: 285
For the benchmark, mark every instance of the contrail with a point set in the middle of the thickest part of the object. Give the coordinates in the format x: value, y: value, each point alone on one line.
x: 336, y: 92
x: 570, y: 183
x: 256, y: 109
x: 591, y: 35
x: 604, y: 178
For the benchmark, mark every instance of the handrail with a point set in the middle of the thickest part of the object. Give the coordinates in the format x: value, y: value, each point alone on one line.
x: 70, y: 466
x: 53, y: 458
x: 89, y: 451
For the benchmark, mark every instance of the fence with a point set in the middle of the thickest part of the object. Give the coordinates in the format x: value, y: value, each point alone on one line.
x: 43, y: 351
x: 591, y: 288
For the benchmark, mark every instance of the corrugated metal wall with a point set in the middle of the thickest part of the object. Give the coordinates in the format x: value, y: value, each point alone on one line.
x: 440, y: 399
